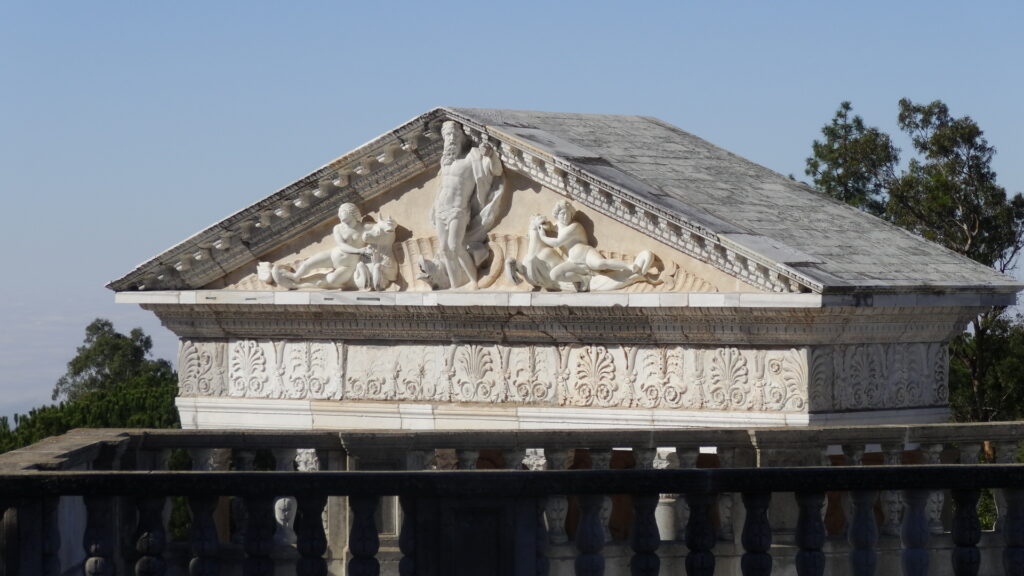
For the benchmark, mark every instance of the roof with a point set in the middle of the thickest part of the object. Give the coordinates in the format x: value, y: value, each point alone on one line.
x: 708, y: 199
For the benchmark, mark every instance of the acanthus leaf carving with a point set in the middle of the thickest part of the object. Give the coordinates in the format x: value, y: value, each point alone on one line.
x: 249, y: 375
x: 595, y: 381
x: 306, y: 371
x: 476, y: 376
x: 728, y: 382
x: 649, y: 376
x: 822, y: 379
x: 939, y: 363
x: 787, y: 381
x: 530, y: 375
x: 201, y: 368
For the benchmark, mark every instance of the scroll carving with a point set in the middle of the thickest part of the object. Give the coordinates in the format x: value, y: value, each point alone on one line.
x: 201, y: 368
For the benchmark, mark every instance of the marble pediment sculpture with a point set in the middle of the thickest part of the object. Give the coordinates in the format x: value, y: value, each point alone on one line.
x: 475, y: 267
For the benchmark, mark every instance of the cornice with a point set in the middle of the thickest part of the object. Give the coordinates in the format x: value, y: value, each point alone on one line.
x: 604, y: 323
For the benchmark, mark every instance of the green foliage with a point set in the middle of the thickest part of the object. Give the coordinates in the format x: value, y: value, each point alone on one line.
x: 110, y: 383
x: 949, y: 195
x: 106, y: 357
x: 997, y: 353
x: 854, y: 163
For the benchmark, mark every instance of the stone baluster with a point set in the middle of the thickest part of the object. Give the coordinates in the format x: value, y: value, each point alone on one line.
x: 810, y: 534
x: 311, y: 538
x: 50, y: 536
x: 645, y: 536
x: 1013, y: 532
x: 363, y: 540
x: 687, y: 458
x: 726, y: 501
x: 774, y: 450
x: 8, y: 542
x: 513, y: 458
x: 243, y: 463
x: 407, y: 535
x: 862, y: 533
x: 259, y: 535
x: 467, y: 458
x: 557, y: 505
x: 311, y: 517
x: 414, y: 460
x: 892, y: 501
x: 1005, y: 454
x: 854, y: 457
x: 644, y: 458
x: 284, y: 506
x: 914, y: 557
x: 937, y: 498
x: 700, y: 535
x: 757, y: 535
x: 601, y: 459
x: 204, y: 536
x: 418, y: 459
x: 969, y: 452
x: 21, y: 534
x: 151, y: 537
x: 966, y: 531
x: 590, y: 536
x: 204, y: 539
x: 541, y: 565
x: 98, y: 538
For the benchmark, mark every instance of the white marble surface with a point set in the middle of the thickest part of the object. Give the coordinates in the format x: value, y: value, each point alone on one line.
x: 232, y: 413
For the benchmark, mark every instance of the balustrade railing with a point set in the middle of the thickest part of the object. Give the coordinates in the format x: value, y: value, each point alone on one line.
x: 319, y: 498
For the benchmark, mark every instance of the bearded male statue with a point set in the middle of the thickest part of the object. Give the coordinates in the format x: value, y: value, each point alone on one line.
x: 467, y: 206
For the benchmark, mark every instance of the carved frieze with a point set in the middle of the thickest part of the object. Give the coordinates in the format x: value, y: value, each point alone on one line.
x: 872, y: 376
x: 815, y: 379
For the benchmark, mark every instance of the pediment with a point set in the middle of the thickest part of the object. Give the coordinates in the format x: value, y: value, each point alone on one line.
x: 675, y: 215
x: 412, y: 261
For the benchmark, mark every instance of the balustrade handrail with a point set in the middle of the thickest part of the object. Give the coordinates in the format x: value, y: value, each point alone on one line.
x: 34, y: 484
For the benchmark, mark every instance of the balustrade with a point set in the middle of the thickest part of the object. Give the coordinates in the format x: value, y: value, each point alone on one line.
x: 728, y: 511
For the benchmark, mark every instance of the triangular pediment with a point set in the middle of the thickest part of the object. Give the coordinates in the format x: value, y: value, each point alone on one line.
x: 656, y: 209
x: 506, y: 255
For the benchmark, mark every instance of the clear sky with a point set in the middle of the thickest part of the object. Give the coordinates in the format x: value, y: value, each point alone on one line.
x: 128, y: 126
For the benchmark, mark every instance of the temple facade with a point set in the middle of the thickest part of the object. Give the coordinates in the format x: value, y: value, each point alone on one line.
x: 524, y: 290
x: 493, y: 269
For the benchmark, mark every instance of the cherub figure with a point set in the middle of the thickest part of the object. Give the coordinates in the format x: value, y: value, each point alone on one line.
x: 362, y: 258
x: 566, y: 259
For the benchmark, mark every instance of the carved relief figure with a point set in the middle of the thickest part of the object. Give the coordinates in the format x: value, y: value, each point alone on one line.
x: 363, y: 258
x: 564, y: 256
x: 467, y: 206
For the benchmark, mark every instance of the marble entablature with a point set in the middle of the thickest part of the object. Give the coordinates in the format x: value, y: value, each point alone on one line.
x: 730, y: 379
x: 449, y: 265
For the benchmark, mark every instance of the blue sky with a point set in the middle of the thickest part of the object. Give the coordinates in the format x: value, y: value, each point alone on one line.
x: 125, y: 127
